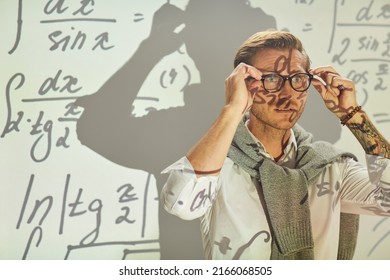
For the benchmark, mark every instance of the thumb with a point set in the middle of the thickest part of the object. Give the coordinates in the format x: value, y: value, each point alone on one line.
x: 320, y: 87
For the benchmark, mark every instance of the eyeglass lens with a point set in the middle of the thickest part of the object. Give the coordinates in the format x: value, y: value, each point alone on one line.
x: 274, y: 82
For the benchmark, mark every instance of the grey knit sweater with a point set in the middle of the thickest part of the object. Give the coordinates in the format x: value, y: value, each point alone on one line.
x: 285, y: 192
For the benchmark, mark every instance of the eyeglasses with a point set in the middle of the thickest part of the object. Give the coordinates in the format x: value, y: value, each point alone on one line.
x: 274, y: 82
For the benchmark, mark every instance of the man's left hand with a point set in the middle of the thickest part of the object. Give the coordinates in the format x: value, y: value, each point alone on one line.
x: 337, y: 92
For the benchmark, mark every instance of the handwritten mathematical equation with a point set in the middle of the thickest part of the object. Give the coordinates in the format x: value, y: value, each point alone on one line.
x: 73, y: 205
x: 361, y: 41
x: 69, y: 19
x: 49, y: 132
x: 42, y: 128
x: 60, y: 12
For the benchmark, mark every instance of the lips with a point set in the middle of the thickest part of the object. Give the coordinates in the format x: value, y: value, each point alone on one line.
x: 285, y: 110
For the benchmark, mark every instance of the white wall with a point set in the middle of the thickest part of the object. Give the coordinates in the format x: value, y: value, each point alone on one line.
x: 94, y: 207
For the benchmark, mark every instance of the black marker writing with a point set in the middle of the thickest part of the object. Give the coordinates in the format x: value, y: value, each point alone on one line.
x: 127, y: 196
x: 12, y: 125
x: 19, y: 27
x: 68, y: 84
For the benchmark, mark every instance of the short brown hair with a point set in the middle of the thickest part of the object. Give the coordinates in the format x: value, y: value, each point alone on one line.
x: 269, y: 40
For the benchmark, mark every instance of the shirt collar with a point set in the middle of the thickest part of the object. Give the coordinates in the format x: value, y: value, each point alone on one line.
x: 290, y: 148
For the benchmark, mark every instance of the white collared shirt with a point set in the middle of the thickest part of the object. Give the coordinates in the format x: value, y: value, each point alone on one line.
x: 233, y: 221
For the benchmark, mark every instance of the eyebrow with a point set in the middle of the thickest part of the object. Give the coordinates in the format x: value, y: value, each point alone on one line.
x: 266, y: 72
x: 273, y: 71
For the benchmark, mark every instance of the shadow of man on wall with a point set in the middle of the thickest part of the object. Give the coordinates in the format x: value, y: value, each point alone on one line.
x: 213, y: 32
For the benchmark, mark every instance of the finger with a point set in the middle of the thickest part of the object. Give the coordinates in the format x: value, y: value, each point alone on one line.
x: 317, y: 79
x: 245, y: 74
x: 336, y: 85
x: 327, y: 75
x: 249, y: 71
x: 322, y: 87
x: 252, y: 77
x: 330, y: 77
x: 252, y: 93
x: 323, y: 69
x: 254, y: 73
x: 319, y: 85
x: 334, y: 81
x: 340, y: 85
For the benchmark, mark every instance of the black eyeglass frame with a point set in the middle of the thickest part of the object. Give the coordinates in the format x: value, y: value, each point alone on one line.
x: 285, y: 78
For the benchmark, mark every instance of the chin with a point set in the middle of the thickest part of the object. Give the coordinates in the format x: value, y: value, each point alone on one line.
x: 284, y: 126
x: 285, y: 123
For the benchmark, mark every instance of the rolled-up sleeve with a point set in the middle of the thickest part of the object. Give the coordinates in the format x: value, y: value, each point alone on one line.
x: 186, y: 195
x: 367, y: 190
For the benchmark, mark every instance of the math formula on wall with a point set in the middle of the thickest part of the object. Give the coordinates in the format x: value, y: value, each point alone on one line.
x: 97, y: 98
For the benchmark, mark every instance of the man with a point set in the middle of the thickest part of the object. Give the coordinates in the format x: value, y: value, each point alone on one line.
x: 262, y: 188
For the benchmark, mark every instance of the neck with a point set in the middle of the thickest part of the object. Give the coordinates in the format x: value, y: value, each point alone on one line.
x: 273, y: 139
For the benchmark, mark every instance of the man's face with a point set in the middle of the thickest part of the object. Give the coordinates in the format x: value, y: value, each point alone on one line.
x: 283, y: 108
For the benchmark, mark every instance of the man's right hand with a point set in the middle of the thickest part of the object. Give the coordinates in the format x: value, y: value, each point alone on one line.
x: 241, y: 87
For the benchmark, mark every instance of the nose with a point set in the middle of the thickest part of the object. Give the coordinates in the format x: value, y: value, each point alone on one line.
x: 287, y: 91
